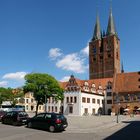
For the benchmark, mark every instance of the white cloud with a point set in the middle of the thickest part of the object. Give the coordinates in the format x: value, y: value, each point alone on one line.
x: 3, y: 83
x: 85, y: 50
x: 72, y: 62
x: 65, y: 79
x: 54, y: 53
x: 18, y: 76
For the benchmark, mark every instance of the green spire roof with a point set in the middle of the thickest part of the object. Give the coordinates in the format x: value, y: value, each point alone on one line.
x: 97, y: 31
x: 111, y: 25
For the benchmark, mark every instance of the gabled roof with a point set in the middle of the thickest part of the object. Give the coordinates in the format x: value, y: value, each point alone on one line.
x: 127, y: 82
x: 98, y: 82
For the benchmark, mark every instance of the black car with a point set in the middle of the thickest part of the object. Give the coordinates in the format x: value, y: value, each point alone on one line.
x: 15, y: 118
x: 2, y: 113
x: 50, y: 121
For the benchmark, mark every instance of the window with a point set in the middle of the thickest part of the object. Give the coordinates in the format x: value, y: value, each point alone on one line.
x: 86, y: 110
x: 71, y: 99
x: 48, y: 108
x: 83, y: 99
x: 109, y: 101
x: 94, y: 49
x: 101, y: 57
x: 109, y: 55
x: 39, y: 107
x: 40, y: 116
x: 70, y: 109
x: 139, y: 80
x: 48, y: 116
x: 55, y: 108
x: 98, y: 101
x: 93, y: 100
x: 88, y: 100
x: 32, y: 100
x: 52, y: 109
x: 27, y: 100
x: 93, y: 110
x: 67, y: 99
x: 108, y: 93
x: 75, y: 99
x: 94, y: 59
x: 26, y: 107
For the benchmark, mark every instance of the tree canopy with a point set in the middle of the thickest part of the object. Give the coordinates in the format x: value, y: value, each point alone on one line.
x: 43, y: 86
x: 6, y: 94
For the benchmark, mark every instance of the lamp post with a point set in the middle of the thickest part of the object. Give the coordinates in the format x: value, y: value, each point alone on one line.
x: 117, y: 108
x: 46, y: 87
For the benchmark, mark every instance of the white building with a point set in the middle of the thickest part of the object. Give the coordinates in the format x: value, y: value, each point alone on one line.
x: 87, y: 97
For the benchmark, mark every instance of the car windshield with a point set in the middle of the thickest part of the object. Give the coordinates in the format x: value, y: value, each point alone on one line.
x: 2, y: 112
x: 60, y: 116
x: 22, y: 114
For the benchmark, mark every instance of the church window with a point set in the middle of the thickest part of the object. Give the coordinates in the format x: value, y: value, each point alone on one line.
x: 109, y: 55
x: 94, y: 49
x: 101, y: 57
x: 117, y: 55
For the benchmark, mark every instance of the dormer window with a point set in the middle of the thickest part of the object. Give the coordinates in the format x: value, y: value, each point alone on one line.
x: 86, y: 83
x: 100, y: 87
x: 93, y: 85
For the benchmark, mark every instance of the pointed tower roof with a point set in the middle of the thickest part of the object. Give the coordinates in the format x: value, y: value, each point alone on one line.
x: 97, y: 31
x: 111, y: 25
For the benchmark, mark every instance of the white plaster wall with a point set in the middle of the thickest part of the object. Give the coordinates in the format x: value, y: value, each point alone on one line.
x: 76, y: 106
x: 91, y: 105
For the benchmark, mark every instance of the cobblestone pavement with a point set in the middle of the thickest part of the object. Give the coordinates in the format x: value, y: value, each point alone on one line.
x: 80, y: 128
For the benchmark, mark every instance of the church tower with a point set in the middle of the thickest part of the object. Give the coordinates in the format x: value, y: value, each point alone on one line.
x: 104, y: 51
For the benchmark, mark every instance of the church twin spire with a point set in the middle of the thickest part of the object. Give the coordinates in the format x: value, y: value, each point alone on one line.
x: 110, y: 28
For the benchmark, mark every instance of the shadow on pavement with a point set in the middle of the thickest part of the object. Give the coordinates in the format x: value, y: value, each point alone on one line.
x: 130, y: 132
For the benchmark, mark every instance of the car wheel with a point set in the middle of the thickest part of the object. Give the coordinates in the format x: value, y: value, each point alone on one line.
x: 51, y: 128
x: 29, y: 125
x: 14, y: 123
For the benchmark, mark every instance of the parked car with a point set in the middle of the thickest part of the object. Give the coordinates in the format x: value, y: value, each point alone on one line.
x: 48, y: 121
x: 2, y: 113
x: 15, y: 118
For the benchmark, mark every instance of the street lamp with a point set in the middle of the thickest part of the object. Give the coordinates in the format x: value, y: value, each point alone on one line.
x: 117, y: 101
x: 46, y: 88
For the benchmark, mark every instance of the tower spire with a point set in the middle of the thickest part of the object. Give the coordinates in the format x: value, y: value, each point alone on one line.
x: 122, y: 70
x: 97, y: 31
x: 111, y: 25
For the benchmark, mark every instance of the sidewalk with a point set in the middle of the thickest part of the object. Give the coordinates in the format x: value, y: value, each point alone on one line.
x: 94, y: 124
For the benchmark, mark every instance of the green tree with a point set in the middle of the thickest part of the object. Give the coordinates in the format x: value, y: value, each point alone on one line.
x: 43, y: 86
x: 5, y: 94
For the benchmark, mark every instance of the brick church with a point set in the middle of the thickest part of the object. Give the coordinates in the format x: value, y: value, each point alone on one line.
x: 120, y: 90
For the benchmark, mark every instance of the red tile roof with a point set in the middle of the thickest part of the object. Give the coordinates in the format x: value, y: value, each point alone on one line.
x: 127, y: 82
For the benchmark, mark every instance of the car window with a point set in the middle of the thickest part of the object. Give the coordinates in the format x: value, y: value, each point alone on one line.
x: 9, y: 114
x: 48, y: 116
x: 40, y: 116
x: 22, y: 114
x: 60, y: 116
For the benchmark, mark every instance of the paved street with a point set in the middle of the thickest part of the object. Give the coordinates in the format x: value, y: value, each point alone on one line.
x: 80, y: 128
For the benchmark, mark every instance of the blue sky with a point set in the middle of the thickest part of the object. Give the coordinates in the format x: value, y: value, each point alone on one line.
x: 51, y: 36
